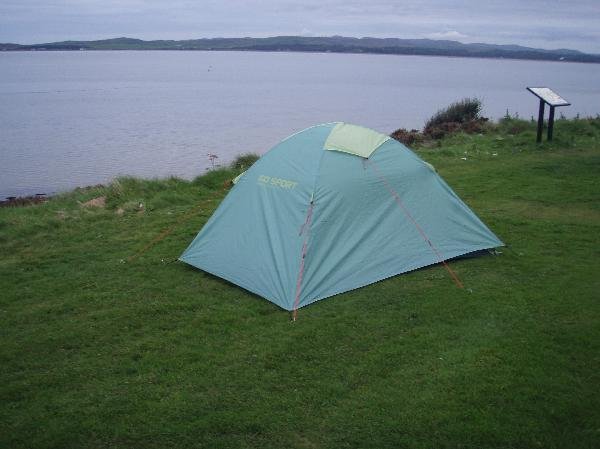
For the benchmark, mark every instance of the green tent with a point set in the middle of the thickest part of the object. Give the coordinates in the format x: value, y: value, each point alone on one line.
x: 330, y: 209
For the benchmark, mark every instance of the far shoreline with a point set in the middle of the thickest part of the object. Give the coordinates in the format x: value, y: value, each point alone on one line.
x: 324, y: 52
x: 322, y: 44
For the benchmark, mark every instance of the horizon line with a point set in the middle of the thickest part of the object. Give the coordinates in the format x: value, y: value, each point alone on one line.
x: 305, y: 37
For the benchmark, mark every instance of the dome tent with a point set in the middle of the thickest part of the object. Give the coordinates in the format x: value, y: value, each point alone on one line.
x: 330, y: 209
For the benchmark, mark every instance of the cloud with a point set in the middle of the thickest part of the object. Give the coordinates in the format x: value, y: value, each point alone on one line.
x: 450, y: 35
x: 306, y: 32
x: 540, y: 23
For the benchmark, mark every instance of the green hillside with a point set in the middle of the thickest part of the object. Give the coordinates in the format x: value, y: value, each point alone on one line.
x: 109, y: 342
x: 333, y: 44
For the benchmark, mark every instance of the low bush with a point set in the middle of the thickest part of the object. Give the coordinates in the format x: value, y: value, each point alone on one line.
x: 463, y: 115
x: 244, y: 161
x: 465, y: 110
x: 513, y: 126
x: 215, y: 179
x: 407, y: 137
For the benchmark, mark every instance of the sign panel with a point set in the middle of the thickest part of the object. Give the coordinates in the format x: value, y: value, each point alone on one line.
x: 549, y: 96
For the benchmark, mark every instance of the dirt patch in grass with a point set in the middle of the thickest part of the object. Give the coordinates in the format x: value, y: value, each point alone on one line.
x: 95, y: 202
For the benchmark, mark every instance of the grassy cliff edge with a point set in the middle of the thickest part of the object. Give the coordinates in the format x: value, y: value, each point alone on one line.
x: 108, y: 341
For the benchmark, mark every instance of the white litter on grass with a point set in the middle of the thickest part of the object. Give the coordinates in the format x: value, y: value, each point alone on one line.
x: 494, y: 154
x: 464, y: 158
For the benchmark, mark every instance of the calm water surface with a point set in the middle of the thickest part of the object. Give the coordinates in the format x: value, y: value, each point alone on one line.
x: 78, y: 118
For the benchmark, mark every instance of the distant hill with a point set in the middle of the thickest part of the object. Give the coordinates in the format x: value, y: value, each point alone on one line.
x: 333, y: 44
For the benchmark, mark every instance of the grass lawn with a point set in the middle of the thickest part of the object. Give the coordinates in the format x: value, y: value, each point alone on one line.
x: 108, y: 342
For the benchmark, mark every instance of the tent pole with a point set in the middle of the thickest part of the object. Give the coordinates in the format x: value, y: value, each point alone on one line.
x: 305, y: 227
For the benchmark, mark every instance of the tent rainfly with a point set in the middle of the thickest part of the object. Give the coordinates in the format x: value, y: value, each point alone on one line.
x: 333, y: 208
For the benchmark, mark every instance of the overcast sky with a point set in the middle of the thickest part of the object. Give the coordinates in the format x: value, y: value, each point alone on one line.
x: 544, y: 24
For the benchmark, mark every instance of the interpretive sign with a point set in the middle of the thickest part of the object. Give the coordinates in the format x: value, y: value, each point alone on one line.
x: 552, y: 99
x: 549, y: 96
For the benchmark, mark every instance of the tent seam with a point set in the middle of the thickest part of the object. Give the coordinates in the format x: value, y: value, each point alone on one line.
x: 304, y: 250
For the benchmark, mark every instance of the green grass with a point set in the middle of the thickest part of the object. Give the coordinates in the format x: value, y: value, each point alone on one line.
x: 106, y: 347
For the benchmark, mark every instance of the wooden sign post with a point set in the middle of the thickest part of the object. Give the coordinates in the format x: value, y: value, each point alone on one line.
x: 547, y: 97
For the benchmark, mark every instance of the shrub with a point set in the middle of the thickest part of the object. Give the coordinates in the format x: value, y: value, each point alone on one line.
x: 407, y: 137
x: 462, y: 111
x: 215, y: 179
x: 244, y: 161
x: 514, y: 126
